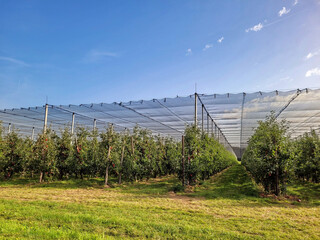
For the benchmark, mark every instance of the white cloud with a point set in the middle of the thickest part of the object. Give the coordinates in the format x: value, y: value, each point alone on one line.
x: 95, y: 55
x: 207, y: 46
x: 188, y: 52
x: 283, y: 11
x: 220, y: 40
x: 312, y: 54
x: 295, y: 2
x: 255, y: 28
x: 13, y: 60
x: 313, y: 72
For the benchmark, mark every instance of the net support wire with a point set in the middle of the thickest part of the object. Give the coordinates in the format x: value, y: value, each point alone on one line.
x: 84, y: 116
x: 150, y: 118
x: 209, y: 116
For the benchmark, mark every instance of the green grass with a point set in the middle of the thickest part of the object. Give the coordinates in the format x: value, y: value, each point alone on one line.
x: 227, y: 206
x: 306, y: 191
x: 232, y: 183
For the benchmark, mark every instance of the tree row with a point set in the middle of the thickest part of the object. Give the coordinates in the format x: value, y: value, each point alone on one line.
x: 274, y: 158
x: 126, y: 156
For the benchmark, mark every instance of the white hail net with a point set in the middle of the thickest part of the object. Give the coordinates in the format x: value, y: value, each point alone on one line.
x: 231, y: 118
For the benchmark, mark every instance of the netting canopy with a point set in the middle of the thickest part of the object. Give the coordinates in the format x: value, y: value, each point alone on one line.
x: 231, y: 118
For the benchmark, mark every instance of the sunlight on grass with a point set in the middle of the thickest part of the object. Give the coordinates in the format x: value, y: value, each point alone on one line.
x: 227, y: 206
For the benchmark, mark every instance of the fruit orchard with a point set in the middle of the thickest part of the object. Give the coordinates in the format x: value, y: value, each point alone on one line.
x: 125, y: 156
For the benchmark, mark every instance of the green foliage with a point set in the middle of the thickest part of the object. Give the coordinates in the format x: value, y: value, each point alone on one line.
x: 307, y: 157
x: 172, y: 157
x: 268, y: 155
x: 80, y: 160
x: 94, y: 154
x: 126, y: 156
x: 45, y: 153
x: 12, y: 160
x: 204, y: 155
x: 2, y: 149
x: 27, y: 155
x: 64, y: 153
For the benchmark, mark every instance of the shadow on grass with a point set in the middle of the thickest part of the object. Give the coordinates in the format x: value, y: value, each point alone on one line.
x: 152, y: 186
x: 65, y: 184
x: 233, y: 183
x: 306, y: 191
x: 156, y: 186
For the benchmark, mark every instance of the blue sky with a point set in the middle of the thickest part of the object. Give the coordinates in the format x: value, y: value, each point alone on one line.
x: 105, y: 51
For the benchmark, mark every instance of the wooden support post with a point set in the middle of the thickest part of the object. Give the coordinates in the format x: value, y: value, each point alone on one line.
x: 132, y: 146
x: 45, y: 119
x: 202, y: 118
x: 94, y: 124
x: 211, y: 127
x: 72, y: 124
x: 107, y: 168
x: 121, y: 160
x: 9, y: 128
x: 32, y: 135
x: 195, y: 109
x: 241, y: 124
x: 183, y: 163
x: 208, y: 123
x: 44, y: 131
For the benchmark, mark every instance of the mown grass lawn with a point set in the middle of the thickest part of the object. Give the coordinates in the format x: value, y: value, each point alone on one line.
x: 227, y: 206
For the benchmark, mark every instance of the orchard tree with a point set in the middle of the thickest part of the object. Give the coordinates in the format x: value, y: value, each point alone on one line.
x: 268, y: 156
x: 307, y: 157
x: 128, y: 163
x: 94, y: 163
x: 109, y: 150
x: 27, y: 155
x: 172, y: 157
x: 192, y: 149
x: 124, y: 167
x: 146, y: 163
x: 80, y: 161
x: 204, y: 156
x: 45, y: 154
x: 136, y: 153
x: 158, y: 155
x: 2, y: 149
x: 64, y: 153
x: 13, y: 161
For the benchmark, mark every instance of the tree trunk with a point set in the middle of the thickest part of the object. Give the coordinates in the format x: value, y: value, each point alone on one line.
x: 107, y: 176
x: 188, y: 177
x: 277, y: 174
x: 41, y: 177
x: 107, y: 168
x: 277, y: 181
x: 119, y: 178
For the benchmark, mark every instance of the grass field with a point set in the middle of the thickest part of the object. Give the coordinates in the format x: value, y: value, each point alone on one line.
x: 228, y: 206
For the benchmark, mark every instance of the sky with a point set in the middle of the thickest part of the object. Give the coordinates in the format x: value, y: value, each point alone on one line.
x: 73, y: 52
